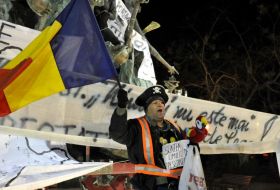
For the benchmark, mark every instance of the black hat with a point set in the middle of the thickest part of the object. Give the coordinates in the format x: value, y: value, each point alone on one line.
x: 151, y: 93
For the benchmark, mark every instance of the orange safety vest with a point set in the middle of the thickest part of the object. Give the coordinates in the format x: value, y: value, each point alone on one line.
x: 150, y: 168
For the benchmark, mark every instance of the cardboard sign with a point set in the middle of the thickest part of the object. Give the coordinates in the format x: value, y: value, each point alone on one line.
x: 174, y: 154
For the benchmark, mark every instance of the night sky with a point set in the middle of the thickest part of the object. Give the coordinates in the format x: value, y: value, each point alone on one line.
x: 187, y: 21
x: 176, y: 17
x: 226, y: 35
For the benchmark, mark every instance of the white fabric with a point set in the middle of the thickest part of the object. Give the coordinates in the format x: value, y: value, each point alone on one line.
x: 62, y: 138
x: 192, y: 177
x: 146, y: 70
x: 35, y: 177
x: 27, y: 163
x: 86, y: 111
x: 118, y: 27
x: 14, y: 38
x: 278, y: 156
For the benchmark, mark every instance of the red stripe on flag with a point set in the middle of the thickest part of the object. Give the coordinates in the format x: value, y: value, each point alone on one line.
x: 7, y: 76
x: 4, y: 107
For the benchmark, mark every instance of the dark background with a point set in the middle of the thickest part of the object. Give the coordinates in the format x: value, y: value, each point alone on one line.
x: 225, y: 51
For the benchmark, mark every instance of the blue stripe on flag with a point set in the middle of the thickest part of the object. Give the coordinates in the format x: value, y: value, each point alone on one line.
x: 79, y: 48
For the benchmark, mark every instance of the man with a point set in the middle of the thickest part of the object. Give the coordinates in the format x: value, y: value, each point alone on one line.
x: 144, y: 138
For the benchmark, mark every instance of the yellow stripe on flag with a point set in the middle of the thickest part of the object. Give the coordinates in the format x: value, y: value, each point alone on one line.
x: 36, y: 46
x: 41, y: 78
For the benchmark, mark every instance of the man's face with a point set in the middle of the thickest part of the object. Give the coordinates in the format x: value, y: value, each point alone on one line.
x: 156, y: 110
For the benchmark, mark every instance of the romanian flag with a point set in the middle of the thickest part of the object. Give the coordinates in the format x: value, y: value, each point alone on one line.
x: 69, y: 53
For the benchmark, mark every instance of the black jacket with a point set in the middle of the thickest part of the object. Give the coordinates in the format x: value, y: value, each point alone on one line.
x: 129, y: 133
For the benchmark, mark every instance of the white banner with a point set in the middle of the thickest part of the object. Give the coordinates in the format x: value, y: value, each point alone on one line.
x: 36, y: 177
x: 14, y: 38
x: 27, y: 163
x: 86, y: 111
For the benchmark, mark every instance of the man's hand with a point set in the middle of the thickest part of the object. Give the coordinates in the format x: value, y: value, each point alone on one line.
x: 122, y: 98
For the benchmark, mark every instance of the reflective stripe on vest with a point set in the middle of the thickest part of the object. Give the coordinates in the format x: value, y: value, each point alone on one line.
x: 150, y: 168
x: 147, y: 141
x: 157, y: 171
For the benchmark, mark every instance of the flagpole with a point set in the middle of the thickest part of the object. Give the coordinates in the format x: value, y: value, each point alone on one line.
x: 118, y: 81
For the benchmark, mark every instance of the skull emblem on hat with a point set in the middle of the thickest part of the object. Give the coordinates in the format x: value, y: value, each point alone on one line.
x: 156, y: 90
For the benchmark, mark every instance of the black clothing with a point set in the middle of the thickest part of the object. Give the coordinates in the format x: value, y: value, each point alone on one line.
x: 130, y: 133
x: 153, y: 91
x: 122, y: 98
